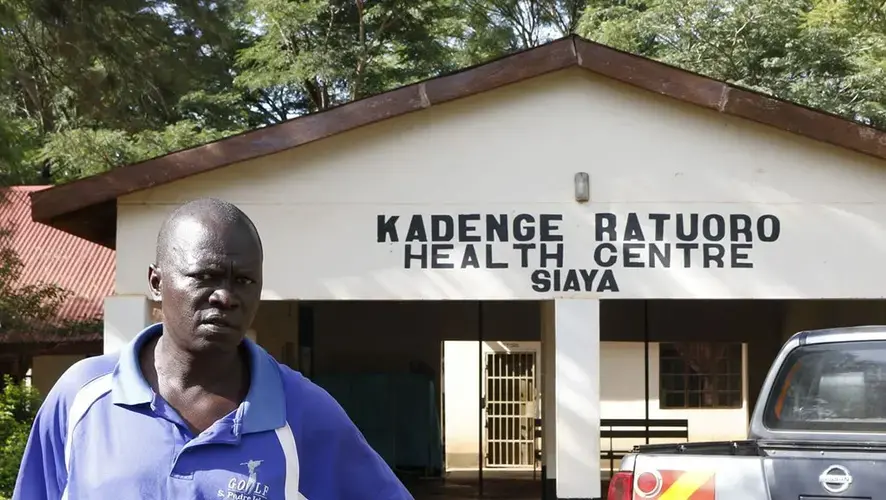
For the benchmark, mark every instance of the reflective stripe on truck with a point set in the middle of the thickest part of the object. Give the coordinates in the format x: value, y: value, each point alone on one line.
x: 675, y: 485
x: 691, y: 477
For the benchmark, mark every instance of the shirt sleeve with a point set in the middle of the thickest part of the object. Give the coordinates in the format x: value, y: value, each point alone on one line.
x: 42, y: 474
x: 337, y: 461
x: 365, y: 474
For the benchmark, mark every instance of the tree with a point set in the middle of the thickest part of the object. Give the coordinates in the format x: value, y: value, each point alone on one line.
x: 83, y: 151
x: 85, y: 87
x: 118, y: 79
x: 312, y: 55
x: 826, y: 54
x: 497, y: 27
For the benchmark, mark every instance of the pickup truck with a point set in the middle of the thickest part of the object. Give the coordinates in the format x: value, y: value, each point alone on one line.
x: 817, y: 432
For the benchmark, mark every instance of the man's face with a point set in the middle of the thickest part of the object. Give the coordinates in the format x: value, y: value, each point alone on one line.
x: 210, y: 282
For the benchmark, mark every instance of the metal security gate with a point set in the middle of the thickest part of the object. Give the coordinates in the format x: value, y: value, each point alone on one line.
x: 511, y: 402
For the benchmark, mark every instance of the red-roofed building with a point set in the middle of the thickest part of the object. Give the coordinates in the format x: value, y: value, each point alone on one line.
x: 83, y: 268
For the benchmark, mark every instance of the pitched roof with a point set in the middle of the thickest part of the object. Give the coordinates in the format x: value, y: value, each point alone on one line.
x: 84, y: 268
x: 87, y: 207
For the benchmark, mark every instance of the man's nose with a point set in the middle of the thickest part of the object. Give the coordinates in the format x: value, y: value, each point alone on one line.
x: 224, y: 298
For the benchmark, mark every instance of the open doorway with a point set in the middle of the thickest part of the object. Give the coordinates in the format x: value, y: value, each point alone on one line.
x: 492, y: 405
x: 511, y: 404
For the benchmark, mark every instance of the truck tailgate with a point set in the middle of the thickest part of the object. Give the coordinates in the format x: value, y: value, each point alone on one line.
x: 825, y: 473
x: 699, y: 477
x: 786, y: 472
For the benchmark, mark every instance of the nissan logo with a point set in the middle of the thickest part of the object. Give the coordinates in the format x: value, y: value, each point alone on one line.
x: 835, y: 479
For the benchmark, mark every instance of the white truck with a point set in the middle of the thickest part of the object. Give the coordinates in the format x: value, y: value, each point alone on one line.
x: 818, y: 432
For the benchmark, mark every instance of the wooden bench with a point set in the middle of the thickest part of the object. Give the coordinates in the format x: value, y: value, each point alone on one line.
x: 611, y: 429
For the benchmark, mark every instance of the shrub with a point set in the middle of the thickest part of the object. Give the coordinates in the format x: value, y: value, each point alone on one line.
x: 18, y: 406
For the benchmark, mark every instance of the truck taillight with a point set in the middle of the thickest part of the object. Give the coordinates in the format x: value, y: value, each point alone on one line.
x: 621, y: 487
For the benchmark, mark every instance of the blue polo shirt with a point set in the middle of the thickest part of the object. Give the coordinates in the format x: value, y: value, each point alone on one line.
x: 102, y: 433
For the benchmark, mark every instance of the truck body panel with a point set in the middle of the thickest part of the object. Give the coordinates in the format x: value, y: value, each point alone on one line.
x: 817, y: 432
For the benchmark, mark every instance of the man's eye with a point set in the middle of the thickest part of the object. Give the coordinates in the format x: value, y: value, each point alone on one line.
x: 245, y: 281
x: 203, y: 276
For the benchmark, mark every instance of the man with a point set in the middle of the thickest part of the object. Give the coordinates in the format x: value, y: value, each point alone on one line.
x: 191, y: 408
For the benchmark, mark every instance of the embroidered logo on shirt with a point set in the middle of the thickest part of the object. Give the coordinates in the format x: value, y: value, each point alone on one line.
x: 249, y: 488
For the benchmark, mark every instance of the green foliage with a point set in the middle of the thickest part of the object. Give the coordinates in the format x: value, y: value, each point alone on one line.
x: 20, y: 141
x: 86, y: 87
x: 315, y: 54
x: 106, y: 74
x: 18, y: 407
x: 81, y: 152
x: 492, y: 28
x: 826, y: 54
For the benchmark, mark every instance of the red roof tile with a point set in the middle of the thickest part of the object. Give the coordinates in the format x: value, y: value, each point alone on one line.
x: 53, y: 256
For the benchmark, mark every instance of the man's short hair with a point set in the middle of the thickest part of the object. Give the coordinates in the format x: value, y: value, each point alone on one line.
x: 226, y: 211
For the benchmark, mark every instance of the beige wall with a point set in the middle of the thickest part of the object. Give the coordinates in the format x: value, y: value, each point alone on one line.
x: 516, y: 150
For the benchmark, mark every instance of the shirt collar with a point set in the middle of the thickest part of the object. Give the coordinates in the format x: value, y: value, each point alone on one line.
x: 263, y: 409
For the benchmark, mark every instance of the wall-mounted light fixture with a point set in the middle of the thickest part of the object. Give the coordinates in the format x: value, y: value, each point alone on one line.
x: 582, y: 187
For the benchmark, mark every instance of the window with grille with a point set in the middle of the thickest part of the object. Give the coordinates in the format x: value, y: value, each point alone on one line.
x: 700, y: 375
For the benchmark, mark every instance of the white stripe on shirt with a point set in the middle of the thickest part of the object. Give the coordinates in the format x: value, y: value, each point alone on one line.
x: 290, y: 456
x: 83, y: 400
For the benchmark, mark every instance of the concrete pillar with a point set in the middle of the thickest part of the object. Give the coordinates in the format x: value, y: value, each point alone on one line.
x: 125, y: 317
x: 577, y: 396
x: 548, y: 402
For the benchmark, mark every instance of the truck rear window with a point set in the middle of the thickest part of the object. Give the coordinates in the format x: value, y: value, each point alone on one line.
x: 831, y: 387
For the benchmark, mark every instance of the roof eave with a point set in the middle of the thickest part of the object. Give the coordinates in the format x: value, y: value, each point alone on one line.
x: 54, y: 205
x: 94, y: 198
x: 96, y: 223
x: 725, y: 98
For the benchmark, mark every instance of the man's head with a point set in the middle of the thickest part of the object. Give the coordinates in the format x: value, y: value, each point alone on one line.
x: 208, y: 274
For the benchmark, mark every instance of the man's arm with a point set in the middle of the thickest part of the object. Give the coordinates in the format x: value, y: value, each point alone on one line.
x: 337, y: 462
x: 42, y: 474
x: 363, y: 472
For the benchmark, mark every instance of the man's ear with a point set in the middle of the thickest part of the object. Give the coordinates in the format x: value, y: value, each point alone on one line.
x: 155, y: 280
